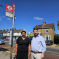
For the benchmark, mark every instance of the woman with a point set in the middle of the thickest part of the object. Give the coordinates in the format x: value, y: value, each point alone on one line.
x: 23, y: 47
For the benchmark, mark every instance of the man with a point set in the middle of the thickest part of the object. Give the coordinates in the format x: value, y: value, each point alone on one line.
x: 38, y: 46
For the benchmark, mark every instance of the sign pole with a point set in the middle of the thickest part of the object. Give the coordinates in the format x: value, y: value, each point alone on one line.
x: 12, y: 35
x: 58, y: 29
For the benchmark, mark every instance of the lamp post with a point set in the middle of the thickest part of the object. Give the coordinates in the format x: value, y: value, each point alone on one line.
x: 58, y: 26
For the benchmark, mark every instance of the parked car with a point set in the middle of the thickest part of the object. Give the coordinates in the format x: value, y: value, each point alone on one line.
x: 49, y: 42
x: 2, y: 41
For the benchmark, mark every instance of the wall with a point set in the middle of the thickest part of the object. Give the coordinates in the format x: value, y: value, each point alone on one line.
x: 51, y: 33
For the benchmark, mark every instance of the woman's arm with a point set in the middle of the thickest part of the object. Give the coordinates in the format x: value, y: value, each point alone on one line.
x: 16, y: 49
x: 29, y: 50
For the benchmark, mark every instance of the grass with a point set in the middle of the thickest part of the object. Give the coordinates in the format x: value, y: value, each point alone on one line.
x: 57, y: 45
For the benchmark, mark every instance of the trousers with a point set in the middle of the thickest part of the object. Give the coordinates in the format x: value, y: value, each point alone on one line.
x: 35, y: 56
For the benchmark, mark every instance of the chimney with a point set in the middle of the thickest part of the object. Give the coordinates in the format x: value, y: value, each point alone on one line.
x: 3, y: 29
x: 58, y: 22
x: 14, y: 28
x: 0, y: 30
x: 44, y: 22
x: 7, y: 30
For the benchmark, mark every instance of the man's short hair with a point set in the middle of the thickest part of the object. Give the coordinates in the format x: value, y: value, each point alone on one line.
x: 23, y: 31
x: 35, y: 29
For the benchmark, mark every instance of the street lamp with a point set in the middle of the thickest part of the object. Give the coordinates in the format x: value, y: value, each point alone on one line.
x: 1, y: 5
x: 58, y: 26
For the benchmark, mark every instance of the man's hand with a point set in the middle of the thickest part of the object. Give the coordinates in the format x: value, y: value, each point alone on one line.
x: 29, y: 54
x: 15, y: 54
x: 42, y: 55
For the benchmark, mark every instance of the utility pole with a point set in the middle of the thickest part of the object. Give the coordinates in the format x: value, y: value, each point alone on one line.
x: 58, y: 26
x: 12, y: 34
x: 10, y: 13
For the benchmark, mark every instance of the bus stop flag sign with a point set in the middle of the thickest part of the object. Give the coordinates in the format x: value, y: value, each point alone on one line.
x: 9, y: 8
x: 9, y: 11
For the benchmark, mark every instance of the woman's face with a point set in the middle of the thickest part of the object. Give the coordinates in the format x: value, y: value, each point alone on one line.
x: 23, y: 34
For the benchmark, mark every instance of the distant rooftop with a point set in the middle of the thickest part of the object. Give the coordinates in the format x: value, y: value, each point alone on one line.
x: 15, y: 31
x: 44, y: 25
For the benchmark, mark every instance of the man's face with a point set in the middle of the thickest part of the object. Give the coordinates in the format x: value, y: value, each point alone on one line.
x: 23, y: 34
x: 35, y: 32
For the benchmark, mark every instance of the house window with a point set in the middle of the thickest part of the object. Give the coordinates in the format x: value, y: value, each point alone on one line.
x: 47, y: 30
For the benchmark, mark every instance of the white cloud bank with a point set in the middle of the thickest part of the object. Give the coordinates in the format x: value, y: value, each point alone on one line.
x: 38, y: 18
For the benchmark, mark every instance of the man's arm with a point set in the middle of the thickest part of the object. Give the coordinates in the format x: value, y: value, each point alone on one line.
x: 29, y: 50
x: 43, y: 47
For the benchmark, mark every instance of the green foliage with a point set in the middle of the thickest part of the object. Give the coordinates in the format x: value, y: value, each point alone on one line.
x: 56, y: 36
x: 56, y: 39
x: 57, y: 45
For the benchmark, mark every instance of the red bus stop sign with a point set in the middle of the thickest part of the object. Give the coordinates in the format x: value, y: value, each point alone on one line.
x: 9, y: 8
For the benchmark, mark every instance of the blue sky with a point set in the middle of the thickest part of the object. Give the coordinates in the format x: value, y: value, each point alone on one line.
x: 30, y: 13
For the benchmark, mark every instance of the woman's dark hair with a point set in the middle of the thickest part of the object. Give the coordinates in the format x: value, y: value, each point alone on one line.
x: 23, y: 31
x: 35, y: 29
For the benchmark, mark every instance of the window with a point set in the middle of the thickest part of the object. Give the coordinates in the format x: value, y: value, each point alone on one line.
x: 47, y: 30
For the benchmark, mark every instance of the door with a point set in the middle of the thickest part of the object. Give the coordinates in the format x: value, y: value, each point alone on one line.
x: 47, y: 37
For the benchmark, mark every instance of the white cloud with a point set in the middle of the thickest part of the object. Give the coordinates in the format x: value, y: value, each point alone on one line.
x: 0, y: 19
x: 29, y: 26
x: 8, y: 19
x: 38, y: 18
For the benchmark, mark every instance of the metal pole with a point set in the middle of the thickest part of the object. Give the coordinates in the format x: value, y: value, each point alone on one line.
x: 58, y: 29
x: 12, y: 35
x: 58, y: 32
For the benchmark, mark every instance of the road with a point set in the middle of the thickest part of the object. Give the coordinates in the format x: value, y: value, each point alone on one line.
x: 53, y: 51
x: 49, y: 50
x: 7, y: 42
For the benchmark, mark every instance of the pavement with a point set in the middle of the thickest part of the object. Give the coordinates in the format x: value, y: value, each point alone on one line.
x: 52, y: 46
x: 5, y: 53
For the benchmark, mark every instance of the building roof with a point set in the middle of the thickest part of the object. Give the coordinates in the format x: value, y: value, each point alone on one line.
x: 38, y: 26
x: 15, y: 31
x: 51, y: 25
x: 3, y: 31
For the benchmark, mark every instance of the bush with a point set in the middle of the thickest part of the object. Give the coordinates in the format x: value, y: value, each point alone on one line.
x: 57, y: 44
x: 56, y: 39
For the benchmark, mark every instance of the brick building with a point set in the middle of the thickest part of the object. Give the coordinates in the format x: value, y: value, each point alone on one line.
x: 46, y: 30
